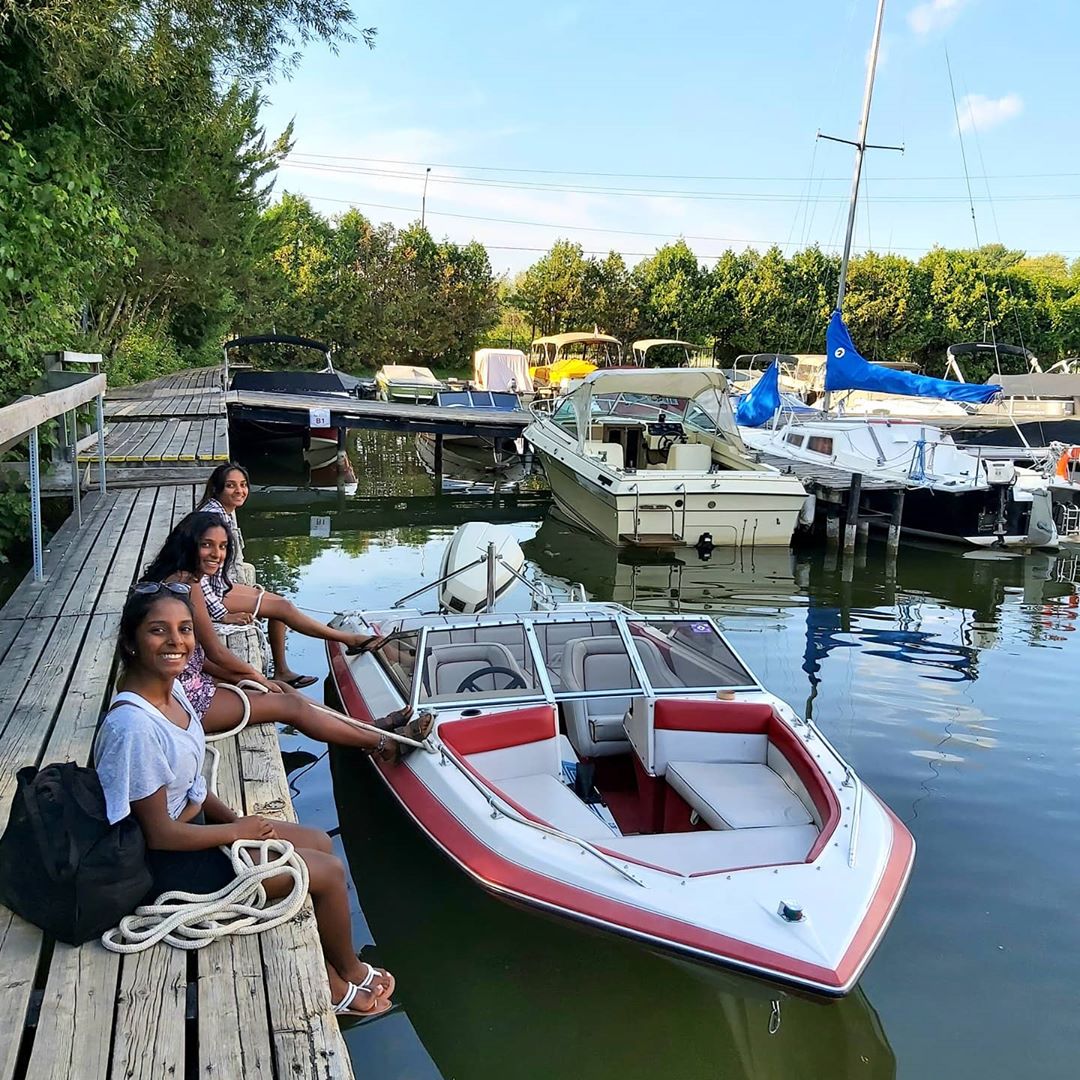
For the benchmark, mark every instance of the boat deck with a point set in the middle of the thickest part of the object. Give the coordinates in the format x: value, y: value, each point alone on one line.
x: 244, y: 1007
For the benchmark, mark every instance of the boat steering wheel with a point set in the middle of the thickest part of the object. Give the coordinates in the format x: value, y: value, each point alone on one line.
x: 469, y: 682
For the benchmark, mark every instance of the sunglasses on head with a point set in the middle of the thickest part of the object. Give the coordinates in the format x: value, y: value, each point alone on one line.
x: 148, y: 588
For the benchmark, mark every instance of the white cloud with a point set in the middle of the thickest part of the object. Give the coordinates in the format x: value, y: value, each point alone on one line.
x: 934, y: 15
x: 980, y: 113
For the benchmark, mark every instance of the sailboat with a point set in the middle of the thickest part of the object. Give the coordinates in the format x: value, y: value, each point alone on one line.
x: 951, y: 494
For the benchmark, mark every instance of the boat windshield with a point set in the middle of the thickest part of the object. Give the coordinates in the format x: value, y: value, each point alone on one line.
x: 559, y: 657
x: 649, y: 408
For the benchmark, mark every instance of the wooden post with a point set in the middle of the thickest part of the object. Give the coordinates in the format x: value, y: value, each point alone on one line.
x: 863, y: 530
x: 851, y: 525
x: 832, y: 524
x: 438, y: 463
x: 894, y: 520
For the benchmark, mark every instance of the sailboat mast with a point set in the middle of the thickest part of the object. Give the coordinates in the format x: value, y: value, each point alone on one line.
x: 860, y: 150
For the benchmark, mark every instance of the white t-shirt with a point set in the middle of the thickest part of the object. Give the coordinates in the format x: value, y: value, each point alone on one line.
x: 138, y: 750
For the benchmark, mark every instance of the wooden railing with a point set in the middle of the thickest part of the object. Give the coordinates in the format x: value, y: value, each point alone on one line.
x: 22, y: 419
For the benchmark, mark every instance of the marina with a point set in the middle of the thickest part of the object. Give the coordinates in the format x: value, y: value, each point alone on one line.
x: 478, y: 603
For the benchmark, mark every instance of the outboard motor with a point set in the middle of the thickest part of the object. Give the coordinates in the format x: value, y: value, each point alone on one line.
x: 1042, y: 532
x: 481, y: 562
x: 1000, y: 475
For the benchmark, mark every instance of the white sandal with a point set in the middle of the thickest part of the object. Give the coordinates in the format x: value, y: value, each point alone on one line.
x: 372, y: 974
x: 343, y: 1007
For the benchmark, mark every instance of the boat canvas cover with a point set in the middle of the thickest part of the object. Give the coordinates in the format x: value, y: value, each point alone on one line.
x: 1041, y: 384
x: 502, y: 370
x: 845, y: 369
x: 759, y: 405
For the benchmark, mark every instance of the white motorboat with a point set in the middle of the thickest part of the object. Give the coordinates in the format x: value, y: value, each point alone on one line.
x: 502, y: 371
x: 407, y: 383
x: 631, y: 773
x: 653, y: 457
x: 950, y: 494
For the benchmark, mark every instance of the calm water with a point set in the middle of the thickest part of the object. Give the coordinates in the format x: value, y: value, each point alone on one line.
x: 951, y: 685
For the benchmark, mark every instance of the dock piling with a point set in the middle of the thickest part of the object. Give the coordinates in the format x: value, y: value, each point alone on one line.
x: 852, y: 523
x: 438, y: 463
x: 894, y: 521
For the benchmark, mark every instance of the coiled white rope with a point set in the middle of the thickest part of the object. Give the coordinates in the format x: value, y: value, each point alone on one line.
x: 192, y: 920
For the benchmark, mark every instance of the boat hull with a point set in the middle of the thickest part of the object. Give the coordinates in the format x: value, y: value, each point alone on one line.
x: 735, y: 509
x: 696, y: 916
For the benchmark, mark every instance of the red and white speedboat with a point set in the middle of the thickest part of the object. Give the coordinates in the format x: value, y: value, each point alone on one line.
x: 631, y: 773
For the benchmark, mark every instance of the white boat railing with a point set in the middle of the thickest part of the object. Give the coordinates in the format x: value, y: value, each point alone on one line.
x: 500, y: 806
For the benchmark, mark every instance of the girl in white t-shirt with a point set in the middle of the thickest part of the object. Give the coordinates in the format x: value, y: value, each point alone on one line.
x: 149, y: 756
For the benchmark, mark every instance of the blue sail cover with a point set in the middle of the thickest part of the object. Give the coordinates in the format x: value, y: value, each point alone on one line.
x: 759, y: 405
x: 845, y: 369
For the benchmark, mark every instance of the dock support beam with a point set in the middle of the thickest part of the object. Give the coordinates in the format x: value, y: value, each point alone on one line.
x: 73, y: 449
x: 851, y: 525
x: 100, y: 401
x: 832, y: 525
x: 438, y: 463
x: 894, y: 520
x: 35, y: 506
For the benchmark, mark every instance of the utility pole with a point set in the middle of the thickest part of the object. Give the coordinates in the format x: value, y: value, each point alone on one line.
x: 423, y: 198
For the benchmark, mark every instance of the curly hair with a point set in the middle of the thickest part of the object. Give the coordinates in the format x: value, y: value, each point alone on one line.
x: 180, y: 552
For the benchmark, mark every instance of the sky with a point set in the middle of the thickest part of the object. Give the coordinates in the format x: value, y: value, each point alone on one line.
x: 625, y: 125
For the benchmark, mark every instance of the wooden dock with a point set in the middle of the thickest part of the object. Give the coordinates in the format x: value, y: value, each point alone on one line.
x: 177, y: 420
x: 294, y: 410
x: 244, y: 1007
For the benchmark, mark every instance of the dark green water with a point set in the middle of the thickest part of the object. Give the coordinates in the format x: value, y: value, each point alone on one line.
x: 951, y: 685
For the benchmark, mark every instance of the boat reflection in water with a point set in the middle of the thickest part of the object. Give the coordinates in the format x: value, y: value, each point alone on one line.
x: 495, y: 992
x: 675, y: 579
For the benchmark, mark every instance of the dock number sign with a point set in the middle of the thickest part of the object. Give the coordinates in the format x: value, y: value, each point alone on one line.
x: 318, y: 418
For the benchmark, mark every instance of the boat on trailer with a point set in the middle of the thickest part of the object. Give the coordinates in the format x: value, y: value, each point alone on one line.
x: 629, y: 772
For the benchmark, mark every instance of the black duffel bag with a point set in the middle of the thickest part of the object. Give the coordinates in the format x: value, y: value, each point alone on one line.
x: 63, y: 867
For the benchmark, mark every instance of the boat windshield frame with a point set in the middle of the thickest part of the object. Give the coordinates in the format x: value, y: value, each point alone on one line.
x: 621, y: 621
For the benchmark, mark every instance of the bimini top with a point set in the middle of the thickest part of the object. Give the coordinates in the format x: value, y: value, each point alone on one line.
x: 645, y: 344
x: 669, y: 382
x: 561, y: 341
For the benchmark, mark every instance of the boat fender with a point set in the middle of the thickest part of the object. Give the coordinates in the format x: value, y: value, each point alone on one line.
x: 809, y: 509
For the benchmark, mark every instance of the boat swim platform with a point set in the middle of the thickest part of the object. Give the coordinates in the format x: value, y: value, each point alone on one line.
x: 295, y: 410
x: 244, y: 1007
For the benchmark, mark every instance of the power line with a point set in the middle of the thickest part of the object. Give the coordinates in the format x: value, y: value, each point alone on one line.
x: 695, y: 196
x: 598, y: 229
x: 667, y: 176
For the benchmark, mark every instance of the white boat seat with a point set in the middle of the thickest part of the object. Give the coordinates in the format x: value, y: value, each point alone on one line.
x: 595, y: 727
x: 689, y: 457
x: 711, y: 851
x: 737, y: 795
x: 611, y: 452
x: 553, y: 802
x: 448, y: 665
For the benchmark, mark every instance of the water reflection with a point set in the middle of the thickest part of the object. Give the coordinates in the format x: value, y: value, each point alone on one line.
x: 496, y: 992
x: 948, y: 679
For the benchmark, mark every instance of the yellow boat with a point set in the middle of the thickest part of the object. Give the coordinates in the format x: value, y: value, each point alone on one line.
x: 559, y: 357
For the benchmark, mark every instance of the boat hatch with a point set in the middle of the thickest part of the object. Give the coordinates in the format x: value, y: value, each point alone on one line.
x: 549, y: 657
